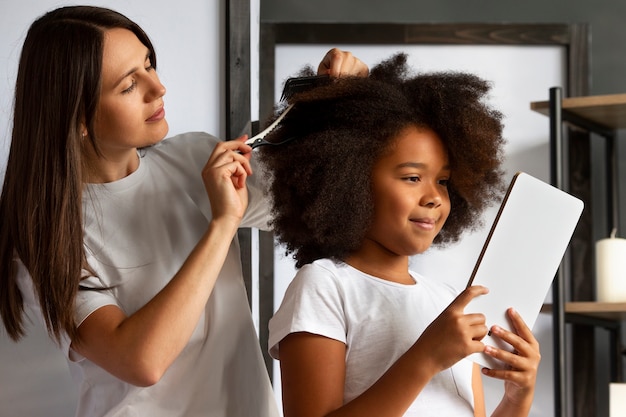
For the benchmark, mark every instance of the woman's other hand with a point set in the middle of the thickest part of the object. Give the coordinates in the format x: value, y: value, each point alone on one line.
x: 338, y: 63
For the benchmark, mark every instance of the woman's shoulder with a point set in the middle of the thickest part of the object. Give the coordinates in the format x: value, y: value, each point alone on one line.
x: 185, y: 151
x: 189, y: 141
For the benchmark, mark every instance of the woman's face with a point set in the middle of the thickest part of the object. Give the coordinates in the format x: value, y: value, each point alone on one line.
x: 411, y: 201
x: 130, y: 112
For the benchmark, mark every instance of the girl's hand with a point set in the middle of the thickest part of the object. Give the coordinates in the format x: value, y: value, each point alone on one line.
x: 338, y: 63
x: 224, y: 177
x: 521, y: 373
x: 453, y: 335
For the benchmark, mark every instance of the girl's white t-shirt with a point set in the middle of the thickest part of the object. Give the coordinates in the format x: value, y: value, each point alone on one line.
x: 379, y: 321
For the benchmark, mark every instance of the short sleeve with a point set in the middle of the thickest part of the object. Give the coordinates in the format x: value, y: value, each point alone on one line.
x: 91, y: 296
x: 313, y: 303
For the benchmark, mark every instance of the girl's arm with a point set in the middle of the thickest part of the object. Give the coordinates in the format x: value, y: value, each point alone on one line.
x: 521, y: 374
x: 139, y: 348
x: 313, y: 367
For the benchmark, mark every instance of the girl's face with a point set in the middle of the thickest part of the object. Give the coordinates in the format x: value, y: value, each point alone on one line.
x: 411, y: 201
x: 130, y: 113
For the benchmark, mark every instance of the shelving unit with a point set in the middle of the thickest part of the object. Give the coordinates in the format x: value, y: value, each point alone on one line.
x: 601, y: 115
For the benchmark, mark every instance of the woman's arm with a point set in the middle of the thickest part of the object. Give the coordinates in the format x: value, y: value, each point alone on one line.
x: 139, y: 348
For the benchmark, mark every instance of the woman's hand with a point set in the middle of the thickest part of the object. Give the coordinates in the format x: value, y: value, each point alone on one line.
x: 225, y: 175
x: 520, y: 375
x: 338, y: 63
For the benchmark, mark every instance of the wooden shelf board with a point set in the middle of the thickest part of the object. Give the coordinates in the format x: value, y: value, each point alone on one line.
x: 608, y: 311
x: 606, y: 110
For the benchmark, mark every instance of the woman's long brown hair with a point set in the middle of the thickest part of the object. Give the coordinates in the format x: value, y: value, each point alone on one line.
x: 56, y: 96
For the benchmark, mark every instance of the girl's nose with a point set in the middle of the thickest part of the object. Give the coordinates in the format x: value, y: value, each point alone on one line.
x: 432, y: 196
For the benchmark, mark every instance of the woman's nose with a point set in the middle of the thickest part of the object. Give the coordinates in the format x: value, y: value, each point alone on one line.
x: 156, y: 89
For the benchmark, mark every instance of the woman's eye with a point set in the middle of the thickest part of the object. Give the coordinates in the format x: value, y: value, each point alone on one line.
x: 131, y: 88
x: 412, y: 179
x: 444, y: 182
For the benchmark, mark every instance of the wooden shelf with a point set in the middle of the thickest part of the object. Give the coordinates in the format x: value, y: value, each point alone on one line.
x: 607, y: 110
x: 607, y: 311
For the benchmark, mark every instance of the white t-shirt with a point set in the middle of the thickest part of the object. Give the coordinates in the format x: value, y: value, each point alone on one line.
x: 378, y: 320
x: 138, y: 232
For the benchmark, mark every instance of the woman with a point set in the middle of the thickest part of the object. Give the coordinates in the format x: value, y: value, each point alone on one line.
x: 124, y: 242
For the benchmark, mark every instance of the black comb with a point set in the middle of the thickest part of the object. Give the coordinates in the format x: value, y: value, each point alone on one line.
x: 292, y: 86
x: 297, y: 85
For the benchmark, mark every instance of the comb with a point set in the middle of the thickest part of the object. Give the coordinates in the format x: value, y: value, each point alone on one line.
x: 297, y: 85
x: 292, y: 86
x: 259, y: 139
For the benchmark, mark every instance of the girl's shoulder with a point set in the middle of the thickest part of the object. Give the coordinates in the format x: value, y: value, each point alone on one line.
x: 322, y: 272
x: 324, y: 279
x: 435, y: 286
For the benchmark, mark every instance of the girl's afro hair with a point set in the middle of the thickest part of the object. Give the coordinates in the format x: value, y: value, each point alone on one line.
x: 320, y: 182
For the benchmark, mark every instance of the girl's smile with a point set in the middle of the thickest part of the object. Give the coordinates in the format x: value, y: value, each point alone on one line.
x: 411, y: 203
x: 426, y: 224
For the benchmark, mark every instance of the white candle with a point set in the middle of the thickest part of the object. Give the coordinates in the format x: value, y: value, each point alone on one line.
x: 617, y: 399
x: 611, y: 269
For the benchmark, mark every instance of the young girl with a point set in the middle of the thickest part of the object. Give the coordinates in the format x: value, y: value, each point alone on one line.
x: 124, y: 244
x: 377, y: 170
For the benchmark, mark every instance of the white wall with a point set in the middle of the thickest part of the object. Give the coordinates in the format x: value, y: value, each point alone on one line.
x: 519, y: 75
x: 187, y: 35
x: 188, y: 38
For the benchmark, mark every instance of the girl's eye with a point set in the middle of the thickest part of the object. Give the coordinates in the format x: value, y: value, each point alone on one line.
x: 131, y: 88
x: 412, y: 179
x: 444, y: 182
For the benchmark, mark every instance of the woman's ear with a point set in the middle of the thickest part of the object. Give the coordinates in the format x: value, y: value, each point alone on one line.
x: 83, y: 130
